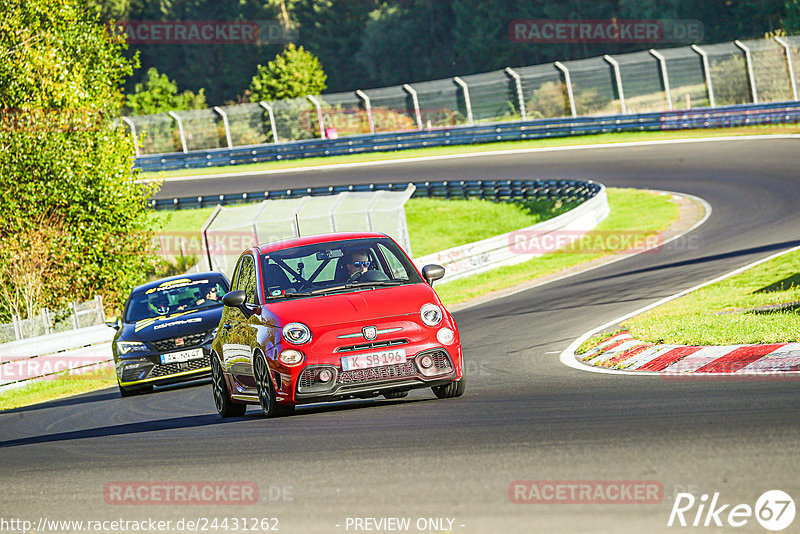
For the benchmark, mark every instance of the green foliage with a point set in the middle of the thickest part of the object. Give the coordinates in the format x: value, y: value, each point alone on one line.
x: 293, y: 73
x: 159, y: 94
x: 549, y: 100
x: 65, y: 166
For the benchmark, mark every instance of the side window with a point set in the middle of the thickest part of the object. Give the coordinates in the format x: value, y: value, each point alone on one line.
x: 398, y: 271
x: 247, y: 279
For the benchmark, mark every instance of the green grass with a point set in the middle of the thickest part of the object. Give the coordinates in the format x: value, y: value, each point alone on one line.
x: 633, y: 212
x: 721, y: 314
x: 484, y: 147
x: 57, y: 388
x: 436, y: 224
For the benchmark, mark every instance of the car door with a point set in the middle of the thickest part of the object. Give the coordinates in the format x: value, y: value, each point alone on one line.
x: 240, y: 333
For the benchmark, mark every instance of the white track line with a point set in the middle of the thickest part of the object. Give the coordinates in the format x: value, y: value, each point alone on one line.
x: 336, y: 166
x: 567, y: 357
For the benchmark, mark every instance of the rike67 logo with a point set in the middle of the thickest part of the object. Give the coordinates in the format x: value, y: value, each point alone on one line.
x: 774, y: 510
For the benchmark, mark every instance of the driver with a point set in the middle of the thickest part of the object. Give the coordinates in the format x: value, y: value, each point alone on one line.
x: 159, y: 304
x: 357, y: 263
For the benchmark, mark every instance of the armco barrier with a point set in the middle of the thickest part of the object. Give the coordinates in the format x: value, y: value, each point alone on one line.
x: 38, y: 357
x: 496, y: 190
x: 480, y: 256
x: 719, y: 117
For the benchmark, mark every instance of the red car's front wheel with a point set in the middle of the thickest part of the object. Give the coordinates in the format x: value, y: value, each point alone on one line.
x: 266, y: 393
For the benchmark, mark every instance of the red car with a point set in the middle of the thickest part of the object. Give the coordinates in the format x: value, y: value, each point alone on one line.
x: 331, y: 317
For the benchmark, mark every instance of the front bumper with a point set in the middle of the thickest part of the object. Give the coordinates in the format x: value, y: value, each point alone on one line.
x: 376, y: 380
x: 146, y: 369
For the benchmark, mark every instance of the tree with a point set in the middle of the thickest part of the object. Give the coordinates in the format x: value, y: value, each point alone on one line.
x: 293, y: 73
x: 159, y: 94
x: 65, y: 165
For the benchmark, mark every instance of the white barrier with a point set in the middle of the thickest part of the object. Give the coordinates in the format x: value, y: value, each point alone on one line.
x: 35, y: 358
x: 508, y: 249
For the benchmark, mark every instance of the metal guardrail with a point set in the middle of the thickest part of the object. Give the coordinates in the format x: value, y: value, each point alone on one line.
x: 720, y: 117
x: 496, y: 190
x: 54, y: 354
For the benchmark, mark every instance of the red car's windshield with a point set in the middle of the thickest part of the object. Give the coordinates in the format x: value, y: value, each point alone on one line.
x: 335, y: 266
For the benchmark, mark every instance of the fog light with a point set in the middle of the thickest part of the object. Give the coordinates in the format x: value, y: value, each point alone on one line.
x: 426, y: 362
x: 291, y: 357
x: 445, y: 336
x: 325, y: 375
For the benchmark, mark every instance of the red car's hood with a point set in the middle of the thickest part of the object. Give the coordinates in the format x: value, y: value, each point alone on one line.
x: 357, y: 306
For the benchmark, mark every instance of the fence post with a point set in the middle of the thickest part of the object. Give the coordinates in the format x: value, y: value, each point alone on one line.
x: 787, y: 49
x: 568, y: 82
x: 707, y: 74
x: 319, y: 116
x: 224, y: 116
x: 410, y: 90
x: 15, y: 320
x: 180, y: 129
x: 662, y: 61
x: 132, y: 126
x: 750, y: 74
x: 368, y: 106
x: 100, y: 310
x: 46, y: 321
x: 465, y: 88
x: 204, y: 233
x: 520, y: 96
x: 618, y: 76
x: 74, y: 314
x: 271, y: 120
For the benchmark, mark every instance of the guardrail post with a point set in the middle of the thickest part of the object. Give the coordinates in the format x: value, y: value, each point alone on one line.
x: 271, y: 120
x: 317, y: 105
x: 467, y: 101
x: 410, y: 90
x: 750, y: 74
x: 618, y: 76
x: 662, y: 61
x: 568, y: 82
x: 368, y: 106
x: 132, y: 126
x: 706, y: 74
x: 788, y: 51
x: 180, y: 129
x: 224, y: 116
x: 520, y: 96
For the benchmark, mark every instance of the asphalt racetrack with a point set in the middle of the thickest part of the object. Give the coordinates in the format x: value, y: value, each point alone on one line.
x: 524, y: 416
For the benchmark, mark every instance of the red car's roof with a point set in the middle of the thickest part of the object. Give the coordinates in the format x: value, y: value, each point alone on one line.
x: 312, y: 239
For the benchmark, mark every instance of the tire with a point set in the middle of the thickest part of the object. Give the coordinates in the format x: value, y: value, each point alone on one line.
x: 451, y: 390
x: 396, y: 394
x: 222, y: 399
x: 266, y: 393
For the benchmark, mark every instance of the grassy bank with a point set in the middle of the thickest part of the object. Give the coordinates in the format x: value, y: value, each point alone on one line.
x: 57, y: 388
x: 621, y: 137
x: 634, y: 214
x: 761, y: 305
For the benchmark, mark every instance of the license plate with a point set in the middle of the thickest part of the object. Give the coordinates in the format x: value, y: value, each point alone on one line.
x: 374, y: 359
x: 182, y: 356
